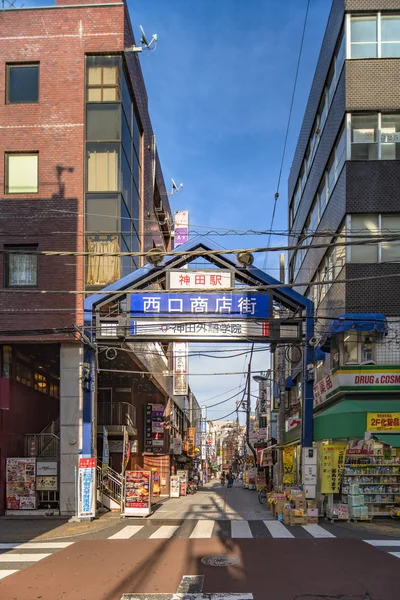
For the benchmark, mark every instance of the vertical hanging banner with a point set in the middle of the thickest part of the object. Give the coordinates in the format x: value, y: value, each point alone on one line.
x: 190, y: 437
x: 288, y: 464
x: 181, y: 221
x: 106, y: 452
x: 332, y: 465
x: 87, y: 488
x: 154, y: 428
x: 180, y: 368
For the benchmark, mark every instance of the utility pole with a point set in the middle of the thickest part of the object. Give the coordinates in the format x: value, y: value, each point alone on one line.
x: 248, y: 408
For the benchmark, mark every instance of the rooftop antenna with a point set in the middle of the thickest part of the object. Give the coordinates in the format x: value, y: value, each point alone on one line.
x: 175, y: 188
x: 144, y: 43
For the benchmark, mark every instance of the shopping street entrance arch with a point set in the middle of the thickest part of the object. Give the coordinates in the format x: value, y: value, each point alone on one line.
x: 220, y: 301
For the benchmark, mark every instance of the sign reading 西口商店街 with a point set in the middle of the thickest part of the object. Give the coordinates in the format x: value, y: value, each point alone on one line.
x: 192, y: 279
x: 201, y: 304
x: 366, y: 379
x: 332, y: 466
x: 383, y: 422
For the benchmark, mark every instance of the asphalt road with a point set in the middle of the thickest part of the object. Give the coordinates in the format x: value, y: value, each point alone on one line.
x: 265, y: 569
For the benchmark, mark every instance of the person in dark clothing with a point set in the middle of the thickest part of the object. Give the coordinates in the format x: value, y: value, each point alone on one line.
x: 230, y: 479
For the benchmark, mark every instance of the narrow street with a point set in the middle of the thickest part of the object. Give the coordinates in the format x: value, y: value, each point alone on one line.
x: 112, y: 557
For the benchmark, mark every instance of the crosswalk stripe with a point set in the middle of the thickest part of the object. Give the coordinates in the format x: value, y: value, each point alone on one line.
x: 277, y: 529
x: 6, y: 573
x: 126, y: 533
x: 164, y: 532
x: 383, y: 543
x: 34, y: 545
x: 203, y: 529
x: 318, y: 532
x: 22, y: 557
x: 396, y: 554
x: 241, y: 529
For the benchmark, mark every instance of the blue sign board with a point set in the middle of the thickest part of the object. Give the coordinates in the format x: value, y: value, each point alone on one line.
x: 176, y: 304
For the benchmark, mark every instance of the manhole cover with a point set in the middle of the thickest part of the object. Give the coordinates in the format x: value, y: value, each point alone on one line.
x: 220, y: 560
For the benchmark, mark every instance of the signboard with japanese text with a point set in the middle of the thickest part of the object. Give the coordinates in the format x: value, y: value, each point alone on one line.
x: 196, y: 280
x: 183, y: 481
x: 178, y: 304
x: 332, y: 466
x: 20, y: 486
x: 177, y: 446
x: 190, y: 437
x: 292, y: 422
x: 288, y: 464
x: 46, y: 468
x: 383, y: 422
x: 365, y: 379
x: 87, y: 488
x: 154, y: 428
x: 218, y: 330
x: 174, y: 485
x: 106, y: 451
x: 46, y: 483
x: 181, y: 229
x: 180, y: 350
x: 137, y: 493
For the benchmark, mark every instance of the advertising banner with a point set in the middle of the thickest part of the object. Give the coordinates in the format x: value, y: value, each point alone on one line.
x: 183, y: 481
x: 20, y: 487
x: 154, y: 428
x: 137, y: 493
x: 383, y: 422
x: 46, y: 468
x: 288, y: 464
x: 106, y: 451
x: 180, y: 381
x: 87, y: 488
x: 174, y: 486
x: 332, y: 465
x: 177, y: 446
x: 46, y: 483
x: 181, y: 222
x: 190, y: 437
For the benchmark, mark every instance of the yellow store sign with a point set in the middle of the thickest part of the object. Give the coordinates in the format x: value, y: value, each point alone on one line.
x: 332, y: 465
x: 288, y: 464
x: 383, y: 422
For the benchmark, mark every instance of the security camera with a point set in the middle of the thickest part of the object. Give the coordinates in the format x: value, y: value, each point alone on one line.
x: 313, y: 341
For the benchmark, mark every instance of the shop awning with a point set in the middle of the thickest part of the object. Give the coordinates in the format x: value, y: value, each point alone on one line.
x: 348, y: 419
x: 359, y: 322
x: 391, y: 439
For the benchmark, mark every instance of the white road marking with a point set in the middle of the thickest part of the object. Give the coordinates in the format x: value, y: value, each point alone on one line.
x: 22, y: 557
x: 34, y: 545
x: 241, y: 529
x: 164, y: 532
x: 126, y: 533
x: 277, y: 529
x: 6, y: 573
x: 203, y: 529
x: 318, y: 532
x: 396, y: 554
x: 393, y: 543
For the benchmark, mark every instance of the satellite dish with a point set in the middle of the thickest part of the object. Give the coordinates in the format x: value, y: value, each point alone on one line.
x: 144, y: 39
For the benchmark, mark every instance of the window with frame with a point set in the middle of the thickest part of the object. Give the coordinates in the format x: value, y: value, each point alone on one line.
x: 363, y: 227
x: 364, y: 136
x: 103, y: 78
x: 364, y: 36
x: 21, y: 266
x: 22, y: 173
x: 390, y: 250
x: 22, y: 83
x: 102, y: 167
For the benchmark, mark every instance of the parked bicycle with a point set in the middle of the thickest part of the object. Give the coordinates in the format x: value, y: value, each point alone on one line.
x: 262, y: 495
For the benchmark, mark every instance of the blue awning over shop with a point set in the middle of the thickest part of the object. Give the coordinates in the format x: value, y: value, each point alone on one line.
x: 359, y: 322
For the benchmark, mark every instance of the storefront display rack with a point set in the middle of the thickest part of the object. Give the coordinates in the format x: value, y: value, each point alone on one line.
x: 378, y: 480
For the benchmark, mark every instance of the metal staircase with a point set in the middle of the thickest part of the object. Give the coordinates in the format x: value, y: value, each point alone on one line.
x: 45, y: 444
x: 109, y: 487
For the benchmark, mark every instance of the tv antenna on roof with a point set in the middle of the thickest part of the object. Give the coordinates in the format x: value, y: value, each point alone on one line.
x: 144, y: 43
x: 175, y: 188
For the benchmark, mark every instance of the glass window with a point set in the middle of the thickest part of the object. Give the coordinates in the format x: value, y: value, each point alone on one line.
x: 331, y: 265
x: 340, y: 258
x: 364, y: 37
x: 390, y: 36
x: 331, y: 176
x: 390, y: 137
x: 296, y: 199
x: 322, y: 195
x: 22, y: 173
x: 362, y: 228
x: 103, y: 122
x: 102, y: 270
x: 339, y: 62
x: 135, y: 205
x: 126, y: 180
x: 102, y: 213
x: 364, y: 138
x: 21, y: 266
x: 303, y: 179
x: 340, y: 152
x: 323, y: 111
x: 125, y: 220
x: 322, y: 279
x: 314, y: 216
x: 126, y: 140
x: 103, y: 78
x: 390, y: 224
x: 137, y: 136
x: 102, y: 167
x: 127, y: 101
x: 23, y: 84
x: 350, y: 347
x: 330, y: 86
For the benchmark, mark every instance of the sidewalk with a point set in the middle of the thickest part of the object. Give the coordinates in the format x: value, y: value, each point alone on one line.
x: 214, y: 502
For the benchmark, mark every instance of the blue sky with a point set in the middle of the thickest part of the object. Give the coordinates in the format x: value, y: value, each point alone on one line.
x: 219, y: 87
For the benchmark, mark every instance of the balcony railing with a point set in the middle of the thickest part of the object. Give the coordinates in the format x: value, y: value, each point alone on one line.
x: 116, y: 413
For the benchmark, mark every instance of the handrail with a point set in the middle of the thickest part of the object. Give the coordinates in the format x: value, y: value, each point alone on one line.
x: 108, y: 484
x: 42, y: 444
x: 116, y: 413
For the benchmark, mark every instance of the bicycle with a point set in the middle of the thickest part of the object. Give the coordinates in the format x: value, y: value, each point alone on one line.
x: 262, y: 495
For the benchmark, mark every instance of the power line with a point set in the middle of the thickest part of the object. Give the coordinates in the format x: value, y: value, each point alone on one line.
x: 287, y: 128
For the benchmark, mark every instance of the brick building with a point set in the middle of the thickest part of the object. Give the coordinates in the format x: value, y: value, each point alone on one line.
x: 79, y: 171
x: 343, y: 187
